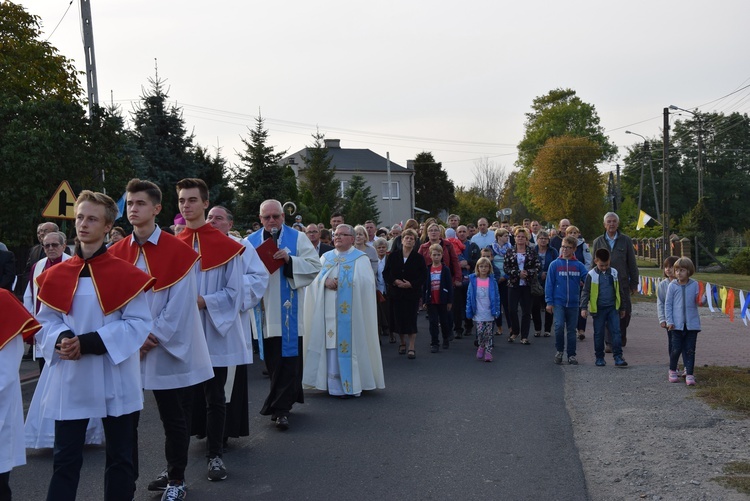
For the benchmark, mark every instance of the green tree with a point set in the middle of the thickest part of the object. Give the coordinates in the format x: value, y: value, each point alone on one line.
x: 433, y: 190
x: 559, y: 112
x: 319, y: 177
x: 260, y: 176
x: 166, y: 149
x: 565, y: 182
x: 45, y: 135
x: 510, y: 200
x: 360, y: 203
x: 214, y: 170
x: 31, y: 67
x: 472, y: 204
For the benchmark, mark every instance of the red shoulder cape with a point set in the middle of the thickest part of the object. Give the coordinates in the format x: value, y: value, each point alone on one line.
x: 168, y: 262
x: 216, y: 249
x: 16, y: 320
x: 116, y: 282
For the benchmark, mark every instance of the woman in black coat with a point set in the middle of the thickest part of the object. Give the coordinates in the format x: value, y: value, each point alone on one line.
x: 404, y: 274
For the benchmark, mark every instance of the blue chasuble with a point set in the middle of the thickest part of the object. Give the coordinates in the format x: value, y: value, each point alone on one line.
x: 344, y: 295
x: 287, y: 300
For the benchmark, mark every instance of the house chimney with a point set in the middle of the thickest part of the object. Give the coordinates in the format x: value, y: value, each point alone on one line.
x: 332, y: 143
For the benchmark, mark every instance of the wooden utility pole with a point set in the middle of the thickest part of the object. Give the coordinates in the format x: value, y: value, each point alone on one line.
x: 88, y: 48
x: 665, y: 185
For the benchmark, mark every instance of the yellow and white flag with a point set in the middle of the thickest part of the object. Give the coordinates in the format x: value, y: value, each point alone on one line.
x: 643, y: 218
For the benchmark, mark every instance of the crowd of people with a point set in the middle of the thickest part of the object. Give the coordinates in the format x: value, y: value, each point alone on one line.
x: 181, y: 311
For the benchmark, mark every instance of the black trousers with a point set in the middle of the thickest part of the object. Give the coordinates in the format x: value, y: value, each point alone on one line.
x: 174, y: 411
x: 216, y: 411
x: 459, y: 310
x: 5, y: 493
x: 520, y: 295
x: 119, y: 475
x: 286, y: 378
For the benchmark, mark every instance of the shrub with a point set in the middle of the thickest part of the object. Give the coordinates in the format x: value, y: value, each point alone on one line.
x: 741, y: 262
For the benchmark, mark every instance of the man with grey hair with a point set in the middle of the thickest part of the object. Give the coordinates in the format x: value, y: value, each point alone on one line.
x: 278, y: 322
x: 342, y: 352
x: 622, y: 258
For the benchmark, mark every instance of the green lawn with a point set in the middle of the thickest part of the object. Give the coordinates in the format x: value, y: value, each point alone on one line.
x: 725, y: 279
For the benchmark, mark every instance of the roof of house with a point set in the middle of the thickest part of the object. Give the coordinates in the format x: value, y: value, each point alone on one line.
x: 349, y: 159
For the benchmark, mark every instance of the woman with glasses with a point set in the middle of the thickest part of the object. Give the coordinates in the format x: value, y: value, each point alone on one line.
x: 521, y: 265
x: 404, y: 274
x: 547, y: 254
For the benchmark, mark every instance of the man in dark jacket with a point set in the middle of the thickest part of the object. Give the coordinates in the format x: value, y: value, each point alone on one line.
x: 467, y: 260
x: 622, y: 258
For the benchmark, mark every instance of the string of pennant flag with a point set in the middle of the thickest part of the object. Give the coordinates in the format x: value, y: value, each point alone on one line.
x: 716, y: 297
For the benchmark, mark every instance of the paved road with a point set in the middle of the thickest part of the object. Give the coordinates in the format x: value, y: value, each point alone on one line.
x: 445, y: 427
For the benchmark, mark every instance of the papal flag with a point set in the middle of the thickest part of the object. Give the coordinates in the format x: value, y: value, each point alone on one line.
x: 643, y: 218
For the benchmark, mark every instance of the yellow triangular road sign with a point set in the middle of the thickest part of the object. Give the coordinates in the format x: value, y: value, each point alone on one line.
x: 60, y: 206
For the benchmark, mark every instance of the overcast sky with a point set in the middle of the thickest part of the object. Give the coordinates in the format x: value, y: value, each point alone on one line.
x: 409, y: 76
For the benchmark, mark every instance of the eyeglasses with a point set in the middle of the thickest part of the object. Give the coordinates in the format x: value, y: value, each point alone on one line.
x: 271, y: 216
x: 342, y: 235
x: 51, y: 246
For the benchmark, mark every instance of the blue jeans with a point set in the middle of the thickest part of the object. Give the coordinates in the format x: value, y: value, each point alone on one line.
x: 565, y: 318
x: 607, y: 317
x: 683, y: 343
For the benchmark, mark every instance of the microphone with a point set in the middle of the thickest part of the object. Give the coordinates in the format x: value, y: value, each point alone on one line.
x: 275, y: 234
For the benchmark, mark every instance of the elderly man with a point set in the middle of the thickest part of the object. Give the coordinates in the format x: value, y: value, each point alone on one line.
x: 53, y: 245
x: 342, y: 353
x: 278, y: 320
x: 484, y: 237
x: 622, y: 258
x: 313, y: 233
x: 255, y: 282
x: 556, y: 241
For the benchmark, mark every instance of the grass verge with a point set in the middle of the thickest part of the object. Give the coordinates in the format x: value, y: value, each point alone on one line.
x: 728, y: 388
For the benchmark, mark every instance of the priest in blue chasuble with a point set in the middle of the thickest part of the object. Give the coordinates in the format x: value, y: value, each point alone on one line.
x: 341, y: 346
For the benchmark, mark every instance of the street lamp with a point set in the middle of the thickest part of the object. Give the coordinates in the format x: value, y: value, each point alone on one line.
x: 700, y: 147
x: 646, y: 151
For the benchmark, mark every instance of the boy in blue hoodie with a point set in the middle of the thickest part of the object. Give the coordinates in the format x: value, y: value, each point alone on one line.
x: 562, y: 292
x: 601, y: 297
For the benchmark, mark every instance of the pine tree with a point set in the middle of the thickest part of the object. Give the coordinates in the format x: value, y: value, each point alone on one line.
x: 260, y: 175
x: 164, y: 144
x: 360, y: 204
x: 319, y: 176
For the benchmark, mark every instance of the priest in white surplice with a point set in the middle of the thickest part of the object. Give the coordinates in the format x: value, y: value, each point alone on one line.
x: 280, y: 314
x: 342, y: 350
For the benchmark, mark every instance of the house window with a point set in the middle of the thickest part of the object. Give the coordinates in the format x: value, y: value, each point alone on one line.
x: 394, y: 194
x: 343, y: 186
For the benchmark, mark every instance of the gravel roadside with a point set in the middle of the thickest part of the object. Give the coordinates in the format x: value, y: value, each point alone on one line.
x: 640, y: 437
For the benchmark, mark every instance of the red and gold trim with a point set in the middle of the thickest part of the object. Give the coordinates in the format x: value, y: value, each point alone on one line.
x: 215, y: 248
x: 16, y: 320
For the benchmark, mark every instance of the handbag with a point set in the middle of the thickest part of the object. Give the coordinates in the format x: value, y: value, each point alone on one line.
x: 536, y: 287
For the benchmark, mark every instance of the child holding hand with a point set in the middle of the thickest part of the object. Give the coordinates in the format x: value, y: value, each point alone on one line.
x: 683, y: 321
x: 661, y: 297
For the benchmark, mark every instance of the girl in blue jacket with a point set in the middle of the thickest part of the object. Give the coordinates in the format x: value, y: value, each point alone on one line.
x: 683, y: 321
x: 483, y: 306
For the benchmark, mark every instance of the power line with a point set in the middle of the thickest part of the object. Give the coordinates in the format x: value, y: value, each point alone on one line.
x: 60, y: 21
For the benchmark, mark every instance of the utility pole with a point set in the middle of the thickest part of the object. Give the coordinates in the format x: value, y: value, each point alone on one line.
x: 88, y: 49
x: 700, y: 157
x: 665, y: 186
